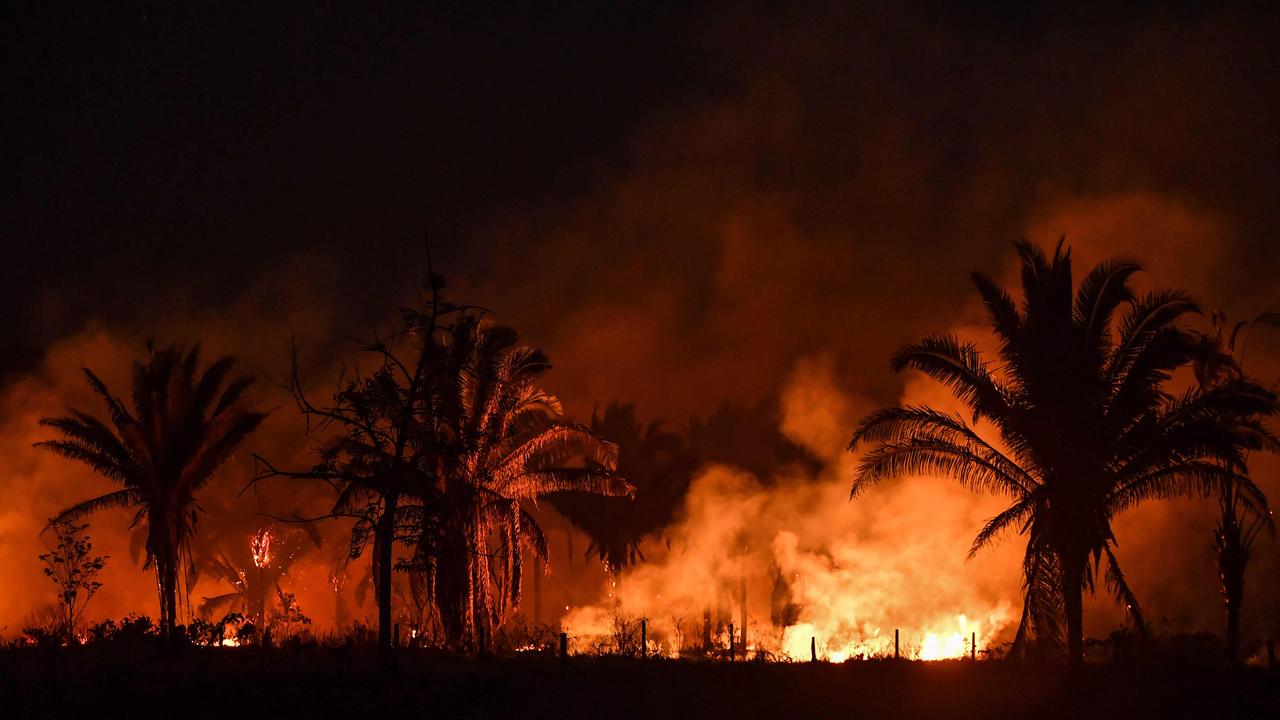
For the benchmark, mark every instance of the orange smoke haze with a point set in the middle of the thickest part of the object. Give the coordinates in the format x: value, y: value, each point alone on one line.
x: 854, y: 572
x: 775, y: 240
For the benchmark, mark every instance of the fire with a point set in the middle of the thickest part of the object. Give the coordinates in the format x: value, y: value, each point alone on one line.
x: 936, y: 648
x: 808, y: 572
x: 260, y: 546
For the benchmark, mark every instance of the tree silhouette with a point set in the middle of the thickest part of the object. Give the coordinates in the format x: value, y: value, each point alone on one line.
x: 1218, y: 359
x: 73, y: 568
x: 499, y: 440
x: 182, y: 426
x: 747, y: 437
x: 1087, y: 429
x: 375, y: 445
x: 658, y: 465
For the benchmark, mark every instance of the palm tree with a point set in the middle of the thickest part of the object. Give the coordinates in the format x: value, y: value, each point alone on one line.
x: 182, y: 426
x: 1217, y: 360
x: 1086, y: 426
x: 500, y: 441
x: 660, y: 467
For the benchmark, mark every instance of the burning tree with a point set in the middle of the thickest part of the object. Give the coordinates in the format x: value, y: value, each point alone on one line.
x: 254, y: 567
x: 436, y: 448
x: 182, y: 427
x: 500, y: 440
x: 1086, y: 427
x: 74, y: 569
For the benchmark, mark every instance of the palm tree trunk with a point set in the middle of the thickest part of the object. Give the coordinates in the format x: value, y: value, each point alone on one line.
x: 1232, y: 571
x: 1073, y: 605
x: 167, y: 588
x: 1233, y: 558
x: 1233, y: 629
x: 537, y: 592
x: 171, y: 600
x: 384, y: 537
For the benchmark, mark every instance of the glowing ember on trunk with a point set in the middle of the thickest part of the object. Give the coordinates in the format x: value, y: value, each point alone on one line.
x: 260, y: 545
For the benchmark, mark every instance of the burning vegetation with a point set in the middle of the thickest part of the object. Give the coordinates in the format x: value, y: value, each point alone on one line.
x: 711, y: 418
x: 734, y: 536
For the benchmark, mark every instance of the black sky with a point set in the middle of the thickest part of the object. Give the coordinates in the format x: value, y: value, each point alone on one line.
x: 165, y: 155
x: 157, y: 149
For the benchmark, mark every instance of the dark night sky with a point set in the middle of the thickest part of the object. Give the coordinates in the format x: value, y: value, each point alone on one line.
x: 188, y: 148
x: 164, y: 156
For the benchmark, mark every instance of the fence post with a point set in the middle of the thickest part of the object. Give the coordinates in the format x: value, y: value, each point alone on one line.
x: 644, y: 638
x: 731, y: 642
x: 895, y: 643
x: 564, y: 645
x: 973, y: 646
x: 813, y: 649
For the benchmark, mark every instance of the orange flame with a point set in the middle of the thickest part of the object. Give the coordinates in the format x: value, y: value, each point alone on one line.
x: 260, y: 546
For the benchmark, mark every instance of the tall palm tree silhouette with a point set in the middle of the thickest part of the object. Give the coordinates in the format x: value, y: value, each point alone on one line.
x: 1218, y: 358
x: 1086, y: 426
x: 499, y: 441
x: 656, y: 462
x: 182, y: 426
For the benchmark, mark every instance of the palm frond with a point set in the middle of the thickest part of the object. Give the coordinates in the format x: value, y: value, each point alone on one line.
x: 1018, y: 513
x: 958, y: 366
x: 118, y: 499
x: 932, y: 456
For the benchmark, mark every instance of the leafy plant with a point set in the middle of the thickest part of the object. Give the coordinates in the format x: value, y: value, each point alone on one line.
x: 73, y: 568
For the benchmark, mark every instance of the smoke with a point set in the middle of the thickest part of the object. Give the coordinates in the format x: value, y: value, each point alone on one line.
x: 894, y: 557
x: 844, y: 574
x: 773, y: 238
x: 37, y: 485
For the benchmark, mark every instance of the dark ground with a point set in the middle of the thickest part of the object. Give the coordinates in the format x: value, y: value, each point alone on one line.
x: 233, y: 683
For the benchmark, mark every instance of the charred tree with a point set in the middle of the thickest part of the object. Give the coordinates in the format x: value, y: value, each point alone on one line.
x: 374, y: 448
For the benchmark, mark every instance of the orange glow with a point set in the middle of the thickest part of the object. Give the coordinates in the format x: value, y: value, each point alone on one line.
x: 820, y: 575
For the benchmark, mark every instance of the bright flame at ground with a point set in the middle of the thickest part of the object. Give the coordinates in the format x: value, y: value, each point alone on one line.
x: 809, y: 572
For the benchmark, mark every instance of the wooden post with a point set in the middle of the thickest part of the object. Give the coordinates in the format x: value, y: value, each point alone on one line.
x: 973, y: 646
x: 813, y: 649
x: 730, y: 642
x: 742, y: 602
x: 644, y: 638
x: 564, y: 645
x: 895, y: 643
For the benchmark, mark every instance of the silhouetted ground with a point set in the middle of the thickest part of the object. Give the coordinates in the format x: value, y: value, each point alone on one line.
x: 235, y: 683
